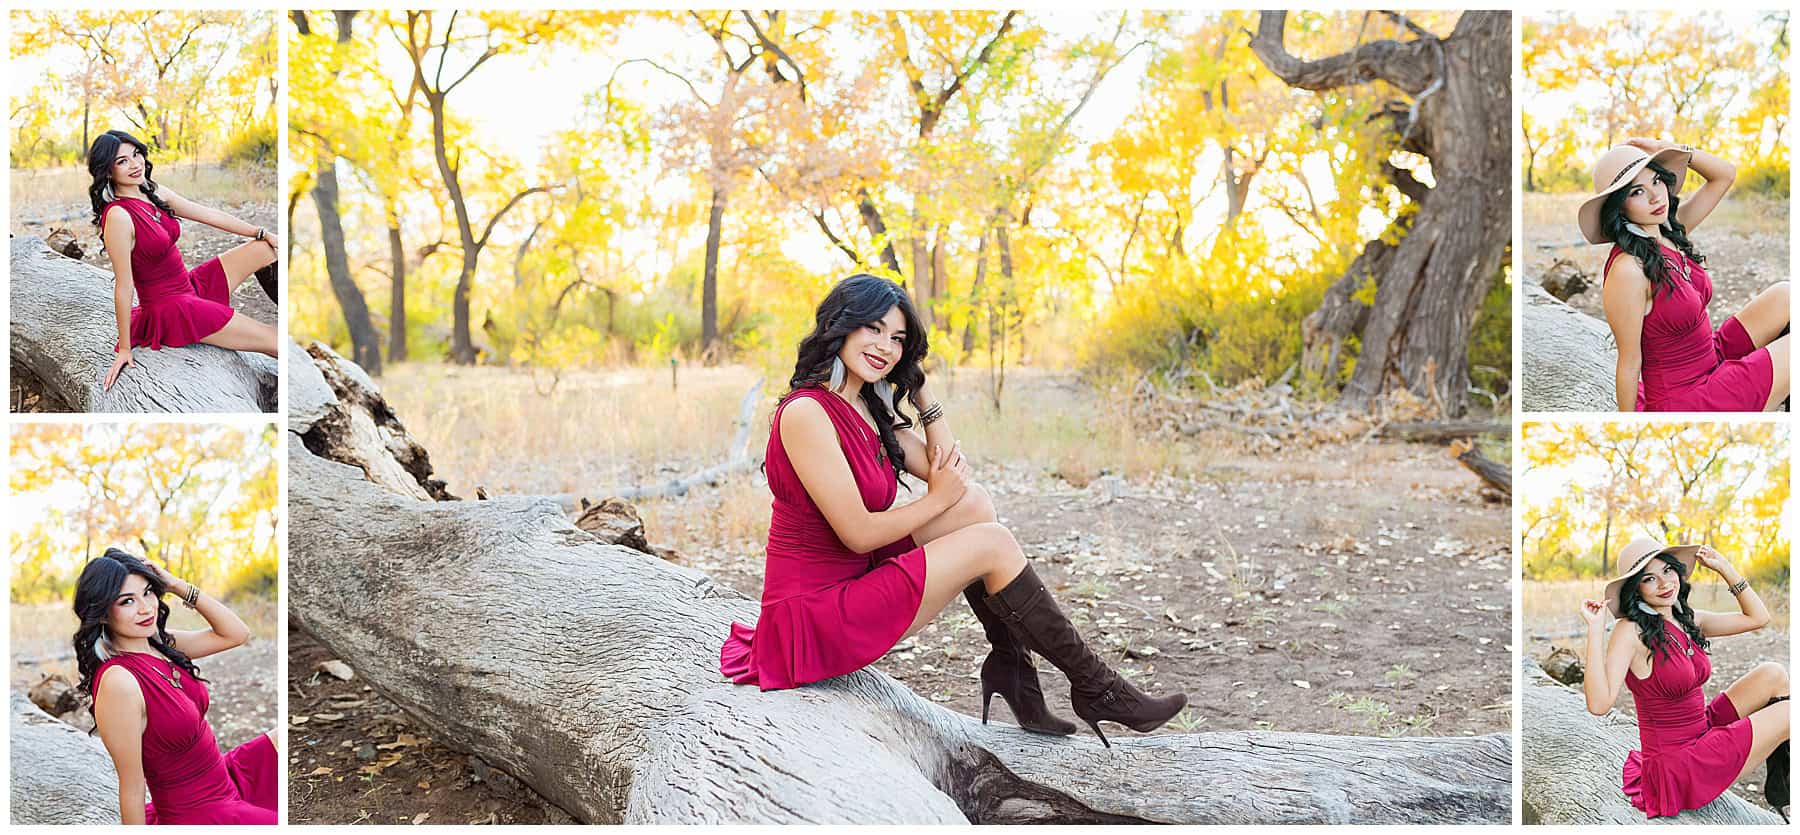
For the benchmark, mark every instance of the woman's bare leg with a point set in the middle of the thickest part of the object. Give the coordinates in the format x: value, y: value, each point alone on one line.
x: 1750, y: 696
x: 985, y: 552
x: 243, y: 333
x: 1778, y: 359
x: 242, y: 261
x: 974, y: 508
x: 274, y: 739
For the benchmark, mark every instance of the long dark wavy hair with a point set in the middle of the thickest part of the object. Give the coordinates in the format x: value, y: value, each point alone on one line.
x: 1656, y: 265
x: 854, y: 302
x: 95, y: 592
x: 1649, y: 623
x: 100, y: 161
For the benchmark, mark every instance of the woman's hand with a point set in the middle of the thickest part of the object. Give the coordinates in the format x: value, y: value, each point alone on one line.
x: 1594, y: 612
x: 949, y: 477
x: 273, y: 240
x: 174, y: 584
x: 1714, y: 560
x: 121, y: 360
x: 1650, y: 146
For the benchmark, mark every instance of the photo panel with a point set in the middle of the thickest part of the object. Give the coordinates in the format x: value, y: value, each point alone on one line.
x: 900, y: 417
x: 144, y: 622
x: 144, y: 211
x: 1655, y: 575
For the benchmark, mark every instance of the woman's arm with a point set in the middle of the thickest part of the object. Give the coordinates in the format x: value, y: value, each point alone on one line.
x: 812, y: 447
x: 119, y: 718
x: 182, y: 207
x: 227, y: 629
x: 1625, y: 296
x: 1752, y: 614
x: 1718, y: 174
x: 119, y: 236
x: 1607, y: 658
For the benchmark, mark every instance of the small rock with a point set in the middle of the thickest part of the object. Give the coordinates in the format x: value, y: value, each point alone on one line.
x: 336, y: 669
x: 365, y: 752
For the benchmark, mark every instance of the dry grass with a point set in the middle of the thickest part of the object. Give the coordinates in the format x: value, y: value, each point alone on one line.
x: 514, y: 433
x: 36, y: 192
x: 1550, y: 218
x: 41, y: 631
x: 1553, y: 606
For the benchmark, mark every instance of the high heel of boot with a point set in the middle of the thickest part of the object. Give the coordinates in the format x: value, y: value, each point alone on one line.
x: 987, y: 698
x: 1095, y: 724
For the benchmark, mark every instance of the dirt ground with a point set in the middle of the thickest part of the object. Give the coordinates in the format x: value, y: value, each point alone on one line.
x: 44, y: 202
x: 241, y: 681
x: 1348, y: 589
x: 1745, y: 243
x: 1732, y: 657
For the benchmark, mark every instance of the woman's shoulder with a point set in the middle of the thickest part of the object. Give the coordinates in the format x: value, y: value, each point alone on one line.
x: 117, y: 679
x: 806, y: 403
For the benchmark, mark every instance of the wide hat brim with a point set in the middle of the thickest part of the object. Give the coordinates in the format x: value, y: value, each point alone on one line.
x: 1688, y: 555
x: 1588, y: 215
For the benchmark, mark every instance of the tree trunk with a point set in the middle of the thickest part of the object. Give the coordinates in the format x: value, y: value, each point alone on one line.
x: 59, y: 774
x: 1572, y: 759
x: 871, y: 218
x: 1566, y: 357
x: 1417, y: 334
x: 981, y: 259
x: 709, y: 283
x: 595, y: 681
x: 365, y: 343
x: 63, y: 332
x: 396, y: 292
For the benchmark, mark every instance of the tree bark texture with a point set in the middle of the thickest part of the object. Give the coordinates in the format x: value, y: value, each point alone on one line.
x: 63, y: 331
x: 59, y: 774
x: 590, y: 672
x: 1566, y: 358
x: 1572, y: 764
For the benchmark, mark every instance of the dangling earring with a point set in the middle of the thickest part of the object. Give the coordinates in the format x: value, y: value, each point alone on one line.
x: 102, y: 646
x: 1638, y: 230
x: 837, y: 373
x: 884, y: 391
x: 1645, y: 608
x: 107, y: 192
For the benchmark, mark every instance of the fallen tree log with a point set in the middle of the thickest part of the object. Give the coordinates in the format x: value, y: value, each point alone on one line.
x: 1494, y: 473
x: 1444, y: 430
x: 590, y: 672
x: 1572, y: 762
x: 1566, y: 357
x: 63, y: 331
x: 59, y: 774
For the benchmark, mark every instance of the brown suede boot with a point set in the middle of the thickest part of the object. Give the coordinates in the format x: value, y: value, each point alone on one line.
x: 1009, y: 672
x: 1097, y: 692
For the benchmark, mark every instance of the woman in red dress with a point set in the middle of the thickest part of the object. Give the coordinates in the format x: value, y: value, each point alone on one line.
x: 849, y: 573
x: 176, y: 306
x: 149, y: 702
x: 1656, y: 292
x: 1692, y: 749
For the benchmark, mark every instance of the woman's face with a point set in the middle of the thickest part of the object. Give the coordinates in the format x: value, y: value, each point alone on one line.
x: 128, y: 165
x: 1646, y: 200
x: 133, y: 613
x: 870, y: 351
x: 1659, y: 584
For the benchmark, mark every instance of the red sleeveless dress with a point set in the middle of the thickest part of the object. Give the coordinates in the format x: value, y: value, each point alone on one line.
x: 1692, y: 749
x: 176, y: 307
x: 190, y: 782
x: 826, y: 610
x: 1688, y: 366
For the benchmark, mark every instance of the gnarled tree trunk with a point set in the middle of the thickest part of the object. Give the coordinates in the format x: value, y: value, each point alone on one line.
x: 1573, y: 762
x: 1566, y: 357
x: 63, y: 332
x: 59, y: 774
x: 590, y: 672
x: 1429, y: 288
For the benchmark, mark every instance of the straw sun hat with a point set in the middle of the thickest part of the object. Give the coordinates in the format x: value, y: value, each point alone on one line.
x: 1639, y: 554
x: 1615, y: 170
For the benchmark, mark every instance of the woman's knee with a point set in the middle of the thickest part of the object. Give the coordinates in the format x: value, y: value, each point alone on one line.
x: 997, y: 543
x: 1772, y: 675
x: 975, y: 506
